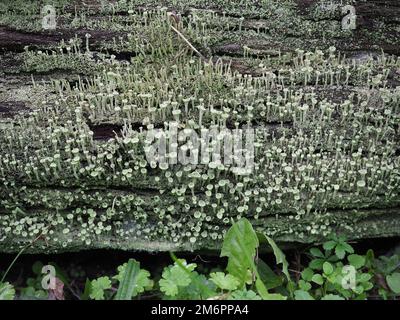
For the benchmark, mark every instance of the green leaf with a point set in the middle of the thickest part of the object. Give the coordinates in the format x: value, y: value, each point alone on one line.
x: 244, y: 295
x: 7, y: 291
x: 340, y: 252
x: 316, y: 264
x: 348, y: 248
x: 369, y: 258
x: 303, y: 285
x: 329, y: 245
x: 279, y: 255
x: 356, y: 260
x: 364, y: 277
x: 328, y: 268
x: 224, y: 282
x: 86, y: 292
x: 302, y: 295
x: 174, y: 277
x: 265, y: 295
x: 127, y: 285
x: 268, y: 276
x: 200, y: 288
x: 332, y: 297
x: 393, y: 281
x: 37, y: 268
x: 307, y: 274
x: 98, y: 286
x: 240, y: 244
x: 317, y: 278
x: 143, y: 280
x: 315, y: 252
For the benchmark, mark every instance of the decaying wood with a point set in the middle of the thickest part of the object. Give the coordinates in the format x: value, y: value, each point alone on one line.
x: 378, y: 27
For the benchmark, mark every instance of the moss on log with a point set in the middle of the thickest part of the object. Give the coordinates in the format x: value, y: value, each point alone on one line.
x: 77, y: 103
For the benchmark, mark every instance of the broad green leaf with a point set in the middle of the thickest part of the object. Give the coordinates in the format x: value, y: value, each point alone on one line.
x: 279, y: 255
x: 240, y: 244
x: 268, y: 276
x: 224, y: 282
x: 7, y: 291
x: 356, y: 260
x: 393, y: 281
x: 302, y: 295
x: 127, y: 285
x: 98, y: 286
x: 265, y: 295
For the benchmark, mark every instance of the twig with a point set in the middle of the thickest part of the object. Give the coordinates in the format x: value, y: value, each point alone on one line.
x: 19, y: 253
x: 187, y: 42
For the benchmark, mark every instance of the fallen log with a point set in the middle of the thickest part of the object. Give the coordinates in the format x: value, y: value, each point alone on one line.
x: 316, y: 104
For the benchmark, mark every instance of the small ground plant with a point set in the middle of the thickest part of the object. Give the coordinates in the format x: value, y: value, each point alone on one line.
x: 332, y: 271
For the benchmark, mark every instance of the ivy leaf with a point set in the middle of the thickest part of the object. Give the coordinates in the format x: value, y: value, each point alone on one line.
x: 98, y: 286
x: 7, y: 291
x: 393, y: 281
x: 239, y: 246
x: 224, y: 282
x: 174, y: 277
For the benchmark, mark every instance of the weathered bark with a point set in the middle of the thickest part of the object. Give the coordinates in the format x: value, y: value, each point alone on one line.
x: 243, y: 36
